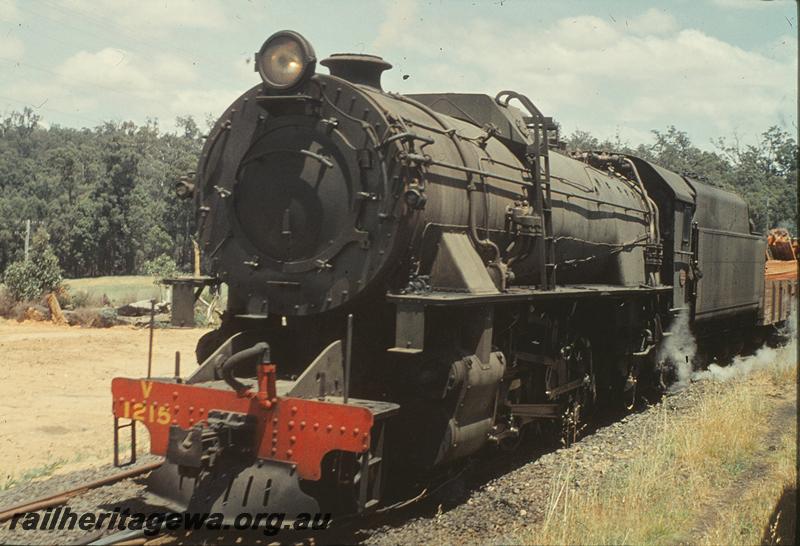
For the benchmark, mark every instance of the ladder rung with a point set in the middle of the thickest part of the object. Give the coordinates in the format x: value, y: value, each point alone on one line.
x: 374, y: 460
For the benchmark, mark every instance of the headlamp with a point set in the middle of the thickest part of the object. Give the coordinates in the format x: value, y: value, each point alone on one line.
x: 285, y: 61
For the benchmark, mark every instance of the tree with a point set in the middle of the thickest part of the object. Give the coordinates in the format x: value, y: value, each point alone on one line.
x: 161, y: 266
x: 766, y: 176
x: 105, y: 194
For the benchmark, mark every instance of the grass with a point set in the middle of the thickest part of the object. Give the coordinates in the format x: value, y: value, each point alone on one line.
x: 44, y: 471
x: 126, y: 289
x: 100, y: 454
x: 119, y: 290
x: 741, y: 520
x: 704, y: 476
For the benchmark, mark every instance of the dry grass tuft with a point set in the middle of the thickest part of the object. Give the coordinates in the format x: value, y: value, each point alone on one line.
x: 667, y: 492
x: 745, y: 518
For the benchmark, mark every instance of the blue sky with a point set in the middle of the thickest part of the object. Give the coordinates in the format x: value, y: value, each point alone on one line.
x: 710, y: 67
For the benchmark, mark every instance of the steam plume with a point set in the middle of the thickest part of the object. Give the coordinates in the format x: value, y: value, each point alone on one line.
x: 679, y: 350
x: 764, y: 358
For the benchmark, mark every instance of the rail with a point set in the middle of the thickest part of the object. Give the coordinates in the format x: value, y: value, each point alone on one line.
x: 62, y: 497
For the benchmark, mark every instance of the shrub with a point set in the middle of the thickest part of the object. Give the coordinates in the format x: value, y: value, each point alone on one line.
x: 64, y: 296
x: 106, y: 318
x: 82, y: 298
x: 28, y: 280
x: 162, y: 266
x: 200, y: 318
x: 29, y: 310
x: 102, y: 317
x: 83, y: 316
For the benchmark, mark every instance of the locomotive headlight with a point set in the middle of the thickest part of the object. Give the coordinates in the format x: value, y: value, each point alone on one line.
x: 285, y: 61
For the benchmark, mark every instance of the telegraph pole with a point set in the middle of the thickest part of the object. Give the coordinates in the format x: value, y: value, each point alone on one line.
x: 27, y: 237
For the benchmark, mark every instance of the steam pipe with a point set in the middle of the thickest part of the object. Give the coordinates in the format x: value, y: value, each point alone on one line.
x: 654, y: 222
x: 228, y: 367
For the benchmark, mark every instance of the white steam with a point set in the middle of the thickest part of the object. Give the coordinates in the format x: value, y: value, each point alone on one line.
x: 764, y: 358
x: 678, y: 350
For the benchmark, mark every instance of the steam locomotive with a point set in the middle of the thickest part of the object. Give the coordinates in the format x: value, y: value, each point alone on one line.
x: 413, y: 278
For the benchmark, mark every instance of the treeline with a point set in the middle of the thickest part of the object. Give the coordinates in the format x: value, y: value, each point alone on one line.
x: 105, y: 195
x: 764, y: 174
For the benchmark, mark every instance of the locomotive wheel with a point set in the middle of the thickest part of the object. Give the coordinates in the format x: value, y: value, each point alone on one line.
x: 578, y: 366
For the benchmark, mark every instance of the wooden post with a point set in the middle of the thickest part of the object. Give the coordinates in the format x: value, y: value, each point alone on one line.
x: 196, y: 248
x: 27, y: 238
x: 55, y: 309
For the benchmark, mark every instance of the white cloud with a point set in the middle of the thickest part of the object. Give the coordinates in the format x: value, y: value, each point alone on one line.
x: 9, y: 12
x: 130, y: 85
x: 199, y: 102
x: 127, y: 71
x: 583, y: 33
x: 653, y: 21
x: 399, y: 16
x: 244, y: 70
x: 604, y: 74
x: 51, y: 99
x: 135, y: 16
x: 593, y: 73
x: 782, y: 48
x: 744, y: 4
x: 11, y: 47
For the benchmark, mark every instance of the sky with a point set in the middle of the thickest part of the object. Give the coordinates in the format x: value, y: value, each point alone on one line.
x: 712, y: 68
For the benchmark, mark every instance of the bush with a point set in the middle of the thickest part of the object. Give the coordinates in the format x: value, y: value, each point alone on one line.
x: 106, y: 317
x: 64, y: 296
x: 200, y: 320
x: 162, y: 266
x: 28, y: 280
x: 82, y: 316
x: 29, y: 310
x: 94, y: 317
x: 82, y: 298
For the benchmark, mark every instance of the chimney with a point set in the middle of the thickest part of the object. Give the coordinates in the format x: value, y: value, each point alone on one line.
x: 357, y: 68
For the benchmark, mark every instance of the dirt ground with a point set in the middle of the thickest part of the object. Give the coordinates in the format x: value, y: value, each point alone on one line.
x: 55, y: 400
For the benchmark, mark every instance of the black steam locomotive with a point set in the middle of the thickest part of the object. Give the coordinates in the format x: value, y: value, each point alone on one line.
x: 414, y: 277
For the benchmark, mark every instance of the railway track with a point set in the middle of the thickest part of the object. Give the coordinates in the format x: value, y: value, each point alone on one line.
x: 452, y: 494
x: 446, y: 493
x: 62, y: 497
